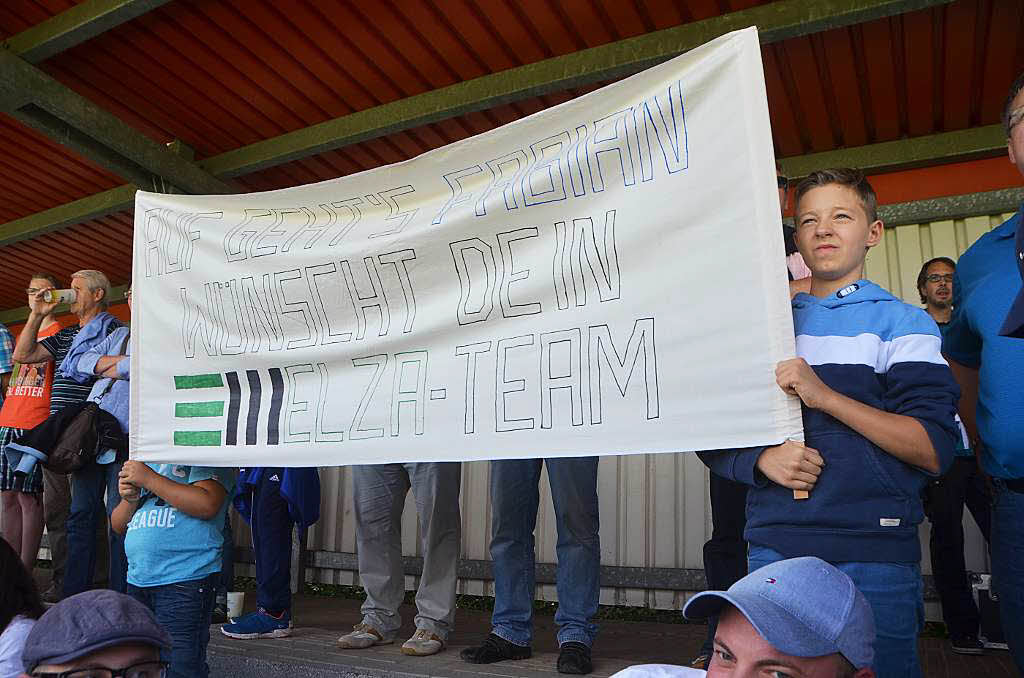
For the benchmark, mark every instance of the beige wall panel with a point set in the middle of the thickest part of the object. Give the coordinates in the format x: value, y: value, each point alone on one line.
x: 877, y: 259
x: 943, y: 239
x: 976, y: 227
x: 908, y: 261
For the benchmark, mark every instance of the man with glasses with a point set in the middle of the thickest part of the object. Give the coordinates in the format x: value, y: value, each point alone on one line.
x: 96, y: 634
x: 26, y: 404
x: 945, y: 497
x: 989, y: 365
x: 91, y: 298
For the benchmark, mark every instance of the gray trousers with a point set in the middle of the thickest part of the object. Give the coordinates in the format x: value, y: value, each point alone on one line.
x: 380, y: 492
x: 56, y: 504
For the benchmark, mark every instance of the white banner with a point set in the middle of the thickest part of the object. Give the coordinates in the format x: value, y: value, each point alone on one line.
x: 603, y: 277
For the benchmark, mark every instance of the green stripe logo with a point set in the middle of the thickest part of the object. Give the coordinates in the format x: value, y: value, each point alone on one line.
x: 190, y: 410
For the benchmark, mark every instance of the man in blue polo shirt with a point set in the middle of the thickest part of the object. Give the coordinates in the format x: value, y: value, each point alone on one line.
x: 990, y: 369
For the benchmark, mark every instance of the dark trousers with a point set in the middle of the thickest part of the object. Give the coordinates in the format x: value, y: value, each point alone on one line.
x: 183, y: 609
x: 272, y: 541
x: 89, y: 485
x: 944, y: 501
x: 227, y: 566
x: 725, y: 554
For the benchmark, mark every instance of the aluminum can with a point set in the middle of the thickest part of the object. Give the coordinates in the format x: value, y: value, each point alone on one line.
x: 60, y: 296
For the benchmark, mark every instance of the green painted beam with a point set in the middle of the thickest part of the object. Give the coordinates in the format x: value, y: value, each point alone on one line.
x: 74, y: 26
x: 984, y: 203
x: 20, y: 315
x: 71, y: 119
x: 93, y: 207
x: 889, y: 156
x: 776, y: 21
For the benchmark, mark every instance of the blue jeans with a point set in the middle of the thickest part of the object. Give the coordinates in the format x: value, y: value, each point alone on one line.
x: 87, y: 488
x: 1008, y: 565
x: 515, y: 499
x: 183, y: 609
x: 895, y: 593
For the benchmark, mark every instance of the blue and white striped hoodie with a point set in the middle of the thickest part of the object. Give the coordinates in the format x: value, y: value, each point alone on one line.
x: 866, y: 506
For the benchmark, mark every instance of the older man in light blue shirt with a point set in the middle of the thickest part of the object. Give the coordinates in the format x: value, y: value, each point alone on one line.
x: 109, y: 360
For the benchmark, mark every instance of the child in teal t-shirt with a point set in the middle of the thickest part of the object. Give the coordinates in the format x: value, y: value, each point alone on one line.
x: 172, y: 517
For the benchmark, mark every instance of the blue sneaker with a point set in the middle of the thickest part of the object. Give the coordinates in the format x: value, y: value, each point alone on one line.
x: 259, y: 624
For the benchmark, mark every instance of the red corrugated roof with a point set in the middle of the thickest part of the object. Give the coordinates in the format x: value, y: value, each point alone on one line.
x: 221, y: 74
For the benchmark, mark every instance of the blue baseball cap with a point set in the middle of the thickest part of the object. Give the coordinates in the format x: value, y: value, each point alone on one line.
x: 86, y: 622
x: 804, y: 607
x: 1013, y: 326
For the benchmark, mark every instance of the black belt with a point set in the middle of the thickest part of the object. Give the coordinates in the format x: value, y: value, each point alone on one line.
x: 1014, y: 484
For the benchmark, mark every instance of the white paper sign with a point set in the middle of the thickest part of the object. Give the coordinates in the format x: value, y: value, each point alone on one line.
x: 603, y: 277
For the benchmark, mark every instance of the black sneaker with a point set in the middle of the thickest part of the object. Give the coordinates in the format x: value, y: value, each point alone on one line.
x: 574, y: 658
x: 700, y: 662
x: 966, y: 645
x: 495, y: 649
x: 219, y: 614
x: 51, y: 596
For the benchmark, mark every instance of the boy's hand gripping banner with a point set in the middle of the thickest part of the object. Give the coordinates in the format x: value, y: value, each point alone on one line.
x: 603, y: 277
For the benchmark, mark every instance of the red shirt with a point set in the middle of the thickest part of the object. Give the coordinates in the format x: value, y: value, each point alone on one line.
x: 27, y: 401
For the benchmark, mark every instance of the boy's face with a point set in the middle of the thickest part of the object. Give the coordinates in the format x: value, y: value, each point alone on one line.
x: 833, y: 232
x: 741, y: 652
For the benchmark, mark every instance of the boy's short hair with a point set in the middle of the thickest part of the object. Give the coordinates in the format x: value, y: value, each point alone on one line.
x: 1015, y: 89
x: 49, y: 277
x: 924, y: 272
x: 843, y: 176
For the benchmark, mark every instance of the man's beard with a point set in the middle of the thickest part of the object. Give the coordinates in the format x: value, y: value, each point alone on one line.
x: 937, y: 303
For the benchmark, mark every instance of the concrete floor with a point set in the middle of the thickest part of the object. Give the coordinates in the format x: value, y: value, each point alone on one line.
x: 311, y: 652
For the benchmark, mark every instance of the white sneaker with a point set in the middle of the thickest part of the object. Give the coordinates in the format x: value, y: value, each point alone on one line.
x: 362, y: 636
x: 422, y: 644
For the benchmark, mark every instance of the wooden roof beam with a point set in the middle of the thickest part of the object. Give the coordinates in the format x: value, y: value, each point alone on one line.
x: 776, y: 21
x: 890, y: 156
x: 42, y: 103
x: 38, y: 101
x: 75, y: 26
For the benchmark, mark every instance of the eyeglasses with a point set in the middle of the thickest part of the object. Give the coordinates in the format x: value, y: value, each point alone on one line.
x: 1015, y: 116
x: 143, y: 670
x: 782, y: 181
x: 935, y: 277
x: 128, y: 294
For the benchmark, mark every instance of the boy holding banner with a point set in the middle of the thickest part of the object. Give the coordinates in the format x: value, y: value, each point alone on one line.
x: 878, y: 410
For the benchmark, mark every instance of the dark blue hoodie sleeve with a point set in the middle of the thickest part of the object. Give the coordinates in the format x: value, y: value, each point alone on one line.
x: 737, y: 465
x: 920, y: 384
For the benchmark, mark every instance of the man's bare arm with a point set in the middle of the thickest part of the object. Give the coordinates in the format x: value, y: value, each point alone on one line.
x: 28, y: 350
x: 107, y: 366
